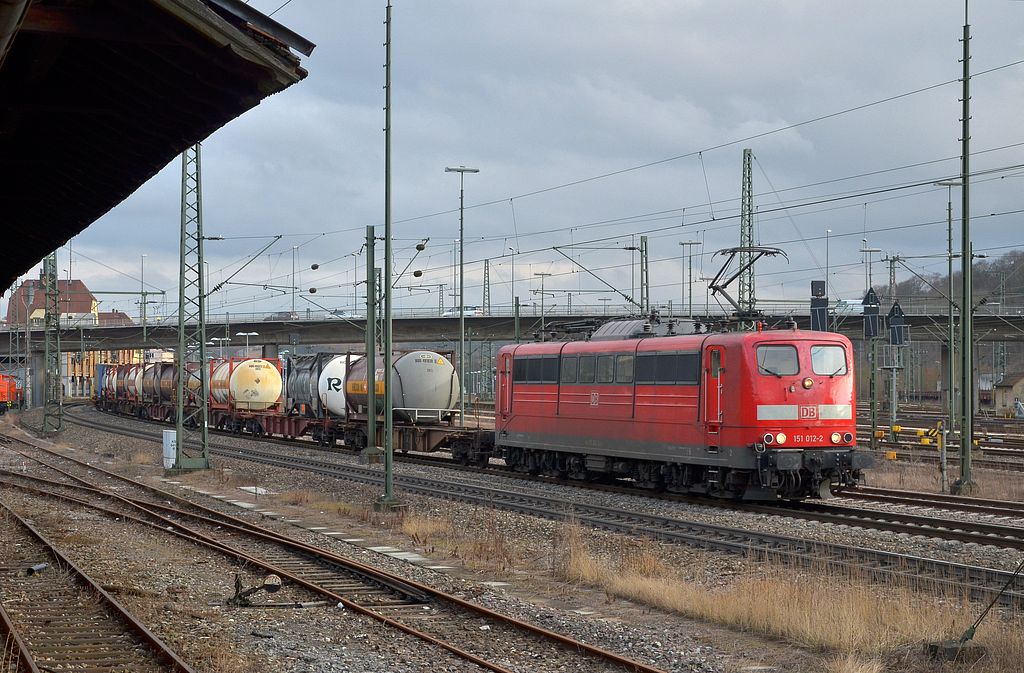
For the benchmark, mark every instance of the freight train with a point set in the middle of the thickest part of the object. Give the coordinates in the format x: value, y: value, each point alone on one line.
x: 758, y: 415
x: 323, y: 396
x: 737, y: 414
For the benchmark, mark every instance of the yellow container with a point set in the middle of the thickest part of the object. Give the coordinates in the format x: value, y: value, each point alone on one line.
x: 926, y: 441
x: 890, y: 455
x: 897, y: 428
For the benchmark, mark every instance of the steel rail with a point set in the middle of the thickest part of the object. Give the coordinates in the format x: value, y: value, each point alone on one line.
x: 559, y: 638
x: 1005, y: 508
x: 156, y: 646
x: 876, y: 563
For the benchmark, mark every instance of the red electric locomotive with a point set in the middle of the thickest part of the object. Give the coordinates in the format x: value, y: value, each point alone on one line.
x: 742, y: 414
x: 10, y: 393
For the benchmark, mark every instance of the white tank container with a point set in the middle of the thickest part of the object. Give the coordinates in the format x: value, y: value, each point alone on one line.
x: 250, y: 385
x: 331, y: 385
x: 425, y: 386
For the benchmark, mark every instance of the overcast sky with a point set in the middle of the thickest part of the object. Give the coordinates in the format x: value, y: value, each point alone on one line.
x: 593, y: 123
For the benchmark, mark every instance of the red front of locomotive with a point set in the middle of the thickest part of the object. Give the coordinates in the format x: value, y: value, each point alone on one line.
x: 795, y: 405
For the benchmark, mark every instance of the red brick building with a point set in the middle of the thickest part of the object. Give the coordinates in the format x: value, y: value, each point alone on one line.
x: 29, y: 301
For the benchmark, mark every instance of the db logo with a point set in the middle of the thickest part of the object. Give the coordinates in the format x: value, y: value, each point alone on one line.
x: 808, y: 411
x: 594, y: 397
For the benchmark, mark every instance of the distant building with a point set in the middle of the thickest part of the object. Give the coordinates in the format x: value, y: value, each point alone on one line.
x: 77, y: 304
x: 113, y: 319
x: 1008, y: 392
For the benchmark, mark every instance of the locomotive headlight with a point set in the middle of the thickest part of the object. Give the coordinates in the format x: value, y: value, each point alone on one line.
x: 836, y: 438
x: 768, y: 438
x: 780, y: 438
x: 807, y: 383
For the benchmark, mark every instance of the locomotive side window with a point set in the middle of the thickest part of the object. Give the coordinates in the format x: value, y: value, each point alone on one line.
x: 569, y: 366
x: 681, y: 368
x: 828, y: 360
x: 605, y: 368
x: 716, y: 363
x: 666, y: 368
x: 519, y: 370
x: 777, y: 360
x: 688, y: 368
x: 624, y: 369
x: 549, y: 371
x: 587, y: 368
x: 645, y: 368
x: 534, y: 369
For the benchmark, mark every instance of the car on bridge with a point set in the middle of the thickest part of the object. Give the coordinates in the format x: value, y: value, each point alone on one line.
x: 468, y: 311
x: 848, y: 307
x: 283, y: 315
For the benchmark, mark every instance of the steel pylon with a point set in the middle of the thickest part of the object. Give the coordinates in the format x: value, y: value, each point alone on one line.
x: 192, y: 426
x: 53, y: 419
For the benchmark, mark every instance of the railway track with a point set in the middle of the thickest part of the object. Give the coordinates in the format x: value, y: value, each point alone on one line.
x: 978, y: 581
x: 1007, y: 536
x: 416, y: 609
x: 57, y: 618
x: 999, y: 508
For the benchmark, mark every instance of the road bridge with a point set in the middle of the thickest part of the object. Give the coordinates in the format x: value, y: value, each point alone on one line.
x: 317, y: 330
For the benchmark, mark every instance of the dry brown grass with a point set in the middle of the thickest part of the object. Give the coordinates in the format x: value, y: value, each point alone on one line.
x: 10, y: 658
x: 852, y: 663
x: 820, y: 610
x: 144, y: 458
x: 924, y: 477
x: 297, y: 497
x: 76, y: 538
x: 427, y: 531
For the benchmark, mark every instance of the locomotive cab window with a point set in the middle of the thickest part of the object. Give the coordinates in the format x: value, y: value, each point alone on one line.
x: 828, y: 360
x: 777, y: 360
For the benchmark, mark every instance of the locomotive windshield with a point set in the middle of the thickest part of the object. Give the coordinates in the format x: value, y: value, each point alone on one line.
x: 777, y: 360
x: 828, y: 360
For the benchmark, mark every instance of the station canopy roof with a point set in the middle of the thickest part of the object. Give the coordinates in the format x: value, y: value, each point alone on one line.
x: 96, y: 96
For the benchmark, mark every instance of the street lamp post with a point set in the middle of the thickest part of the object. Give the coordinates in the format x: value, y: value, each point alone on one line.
x: 543, y: 336
x: 950, y: 328
x: 462, y: 170
x: 688, y: 248
x: 247, y: 335
x: 221, y: 341
x: 512, y: 291
x: 828, y: 232
x: 295, y: 249
x: 142, y: 294
x: 867, y: 263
